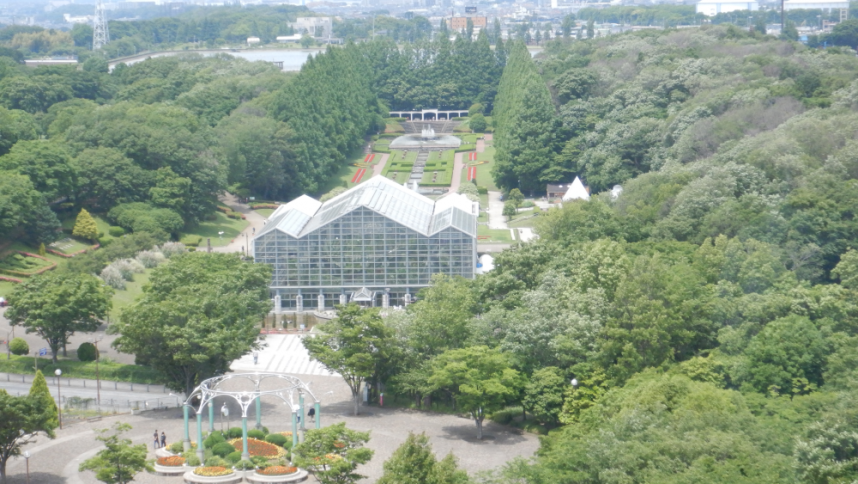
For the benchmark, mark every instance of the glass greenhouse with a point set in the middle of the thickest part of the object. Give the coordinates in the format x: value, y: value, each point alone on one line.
x: 375, y: 244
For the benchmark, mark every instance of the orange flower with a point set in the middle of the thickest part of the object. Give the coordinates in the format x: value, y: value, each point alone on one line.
x: 257, y: 447
x: 277, y: 470
x: 172, y: 461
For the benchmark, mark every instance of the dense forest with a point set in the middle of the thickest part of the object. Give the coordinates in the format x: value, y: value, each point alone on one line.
x: 152, y: 144
x: 707, y: 311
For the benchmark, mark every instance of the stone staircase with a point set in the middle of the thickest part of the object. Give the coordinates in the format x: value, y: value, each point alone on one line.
x: 419, y: 166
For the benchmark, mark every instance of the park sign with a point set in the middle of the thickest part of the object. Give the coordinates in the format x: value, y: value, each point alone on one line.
x: 470, y: 9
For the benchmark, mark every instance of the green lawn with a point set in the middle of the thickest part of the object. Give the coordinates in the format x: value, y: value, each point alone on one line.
x: 484, y: 175
x: 22, y: 263
x: 73, y: 368
x: 6, y: 287
x: 210, y: 229
x: 523, y: 220
x: 69, y: 245
x: 496, y: 235
x: 265, y: 212
x: 35, y: 250
x: 123, y: 299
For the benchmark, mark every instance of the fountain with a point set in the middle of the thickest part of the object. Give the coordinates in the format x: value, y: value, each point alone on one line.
x: 427, y: 133
x: 427, y: 139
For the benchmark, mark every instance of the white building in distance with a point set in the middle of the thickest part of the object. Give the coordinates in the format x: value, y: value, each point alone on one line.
x: 316, y: 26
x: 710, y: 8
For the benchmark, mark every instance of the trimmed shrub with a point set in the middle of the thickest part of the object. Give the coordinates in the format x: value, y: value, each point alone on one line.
x: 216, y: 461
x: 482, y: 190
x: 86, y: 352
x: 233, y: 457
x: 213, y: 440
x: 128, y: 267
x: 221, y: 449
x: 116, y: 231
x: 19, y: 347
x: 150, y: 258
x: 234, y: 433
x: 276, y: 439
x: 112, y: 277
x: 256, y: 434
x: 169, y: 249
x: 192, y: 460
x: 191, y: 240
x: 259, y: 460
x: 177, y: 447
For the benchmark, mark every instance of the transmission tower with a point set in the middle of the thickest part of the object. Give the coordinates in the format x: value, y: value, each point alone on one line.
x: 100, y: 34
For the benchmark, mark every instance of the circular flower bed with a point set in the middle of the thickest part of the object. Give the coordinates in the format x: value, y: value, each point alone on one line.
x: 213, y: 471
x: 277, y: 471
x: 257, y: 447
x: 339, y: 445
x: 172, y: 461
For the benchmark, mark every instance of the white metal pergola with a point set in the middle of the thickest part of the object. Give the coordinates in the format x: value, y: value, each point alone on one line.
x: 291, y: 392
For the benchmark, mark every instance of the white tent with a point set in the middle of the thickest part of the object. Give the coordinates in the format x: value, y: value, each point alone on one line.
x: 576, y: 191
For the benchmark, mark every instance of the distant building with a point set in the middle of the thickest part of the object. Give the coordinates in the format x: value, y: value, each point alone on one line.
x: 568, y: 191
x: 77, y: 19
x: 711, y: 8
x: 315, y: 26
x: 253, y: 40
x: 461, y: 23
x: 376, y: 244
x: 577, y: 191
x: 289, y: 38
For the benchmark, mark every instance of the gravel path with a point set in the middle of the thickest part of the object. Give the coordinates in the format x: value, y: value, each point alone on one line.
x: 458, y: 166
x: 379, y: 167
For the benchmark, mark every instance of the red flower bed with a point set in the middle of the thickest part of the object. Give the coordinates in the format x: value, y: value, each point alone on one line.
x: 11, y: 279
x: 277, y: 471
x: 172, y: 461
x: 259, y: 447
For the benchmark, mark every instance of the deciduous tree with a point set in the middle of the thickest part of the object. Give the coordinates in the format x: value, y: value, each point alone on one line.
x: 480, y: 379
x: 354, y: 344
x: 21, y: 420
x: 121, y: 460
x: 57, y: 305
x: 333, y: 453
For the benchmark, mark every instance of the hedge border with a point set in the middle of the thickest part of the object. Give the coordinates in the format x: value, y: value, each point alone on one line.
x: 69, y: 256
x: 28, y: 274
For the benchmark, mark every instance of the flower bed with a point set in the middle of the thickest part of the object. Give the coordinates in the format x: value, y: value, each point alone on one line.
x: 174, y: 460
x: 277, y: 471
x: 69, y: 256
x: 257, y: 447
x: 10, y: 268
x: 11, y: 279
x: 213, y: 471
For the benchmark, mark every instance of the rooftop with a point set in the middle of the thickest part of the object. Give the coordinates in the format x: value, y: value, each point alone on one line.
x: 383, y: 196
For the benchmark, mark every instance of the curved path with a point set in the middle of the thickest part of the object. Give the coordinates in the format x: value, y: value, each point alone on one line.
x: 56, y: 461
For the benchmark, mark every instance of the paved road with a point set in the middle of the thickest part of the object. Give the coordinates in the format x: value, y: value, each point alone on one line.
x: 284, y: 353
x: 496, y: 218
x: 458, y: 167
x: 245, y: 238
x: 107, y: 391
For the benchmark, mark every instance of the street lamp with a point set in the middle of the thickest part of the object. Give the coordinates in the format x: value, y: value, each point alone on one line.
x: 574, y: 382
x: 97, y: 375
x: 224, y: 413
x: 59, y: 398
x: 27, y: 459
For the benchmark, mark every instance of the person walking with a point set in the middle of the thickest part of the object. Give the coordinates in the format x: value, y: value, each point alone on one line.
x: 255, y: 357
x: 155, y: 444
x: 312, y: 413
x: 163, y: 440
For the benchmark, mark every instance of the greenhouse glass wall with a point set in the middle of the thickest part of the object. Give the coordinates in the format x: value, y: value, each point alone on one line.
x: 376, y: 244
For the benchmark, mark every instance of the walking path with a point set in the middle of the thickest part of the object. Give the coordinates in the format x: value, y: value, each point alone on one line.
x: 56, y: 461
x: 283, y: 353
x: 481, y: 146
x: 379, y: 167
x: 458, y: 166
x: 241, y: 241
x: 496, y: 218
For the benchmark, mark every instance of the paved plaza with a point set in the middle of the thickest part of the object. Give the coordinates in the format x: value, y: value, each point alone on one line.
x: 56, y: 461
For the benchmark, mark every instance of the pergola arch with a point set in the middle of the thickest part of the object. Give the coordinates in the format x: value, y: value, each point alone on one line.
x: 210, y: 389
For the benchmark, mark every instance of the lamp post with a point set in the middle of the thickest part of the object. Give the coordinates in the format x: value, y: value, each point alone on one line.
x: 97, y: 374
x: 59, y: 398
x: 27, y: 459
x: 224, y: 413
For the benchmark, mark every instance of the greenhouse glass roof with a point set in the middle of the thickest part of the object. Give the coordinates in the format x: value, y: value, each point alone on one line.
x: 381, y: 195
